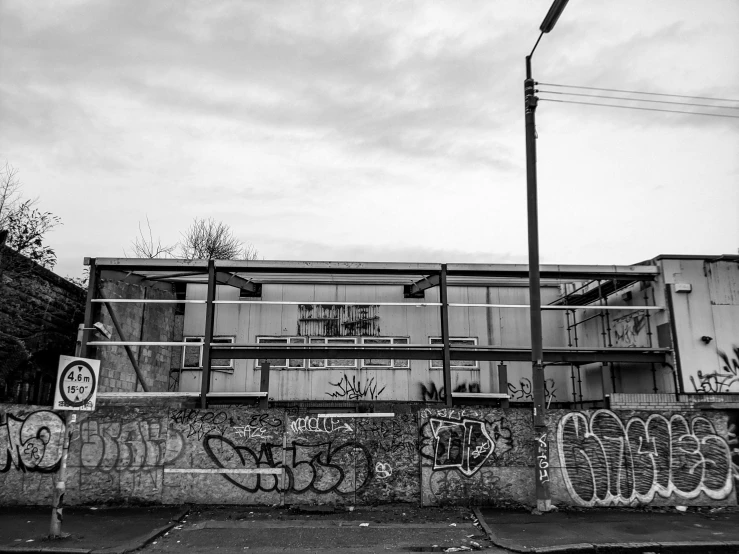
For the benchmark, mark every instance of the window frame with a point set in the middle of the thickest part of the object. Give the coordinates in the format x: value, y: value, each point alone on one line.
x: 323, y: 363
x: 452, y: 340
x: 199, y: 340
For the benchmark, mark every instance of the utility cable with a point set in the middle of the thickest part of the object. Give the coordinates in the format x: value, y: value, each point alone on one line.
x: 640, y: 92
x: 640, y: 100
x: 635, y: 108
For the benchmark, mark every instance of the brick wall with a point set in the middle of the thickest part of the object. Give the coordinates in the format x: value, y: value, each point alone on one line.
x: 143, y: 323
x: 671, y: 402
x: 39, y: 315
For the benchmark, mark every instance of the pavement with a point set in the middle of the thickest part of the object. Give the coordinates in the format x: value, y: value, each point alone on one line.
x: 112, y: 530
x: 660, y: 530
x: 369, y: 529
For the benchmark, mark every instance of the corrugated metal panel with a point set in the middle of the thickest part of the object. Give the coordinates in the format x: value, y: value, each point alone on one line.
x: 723, y: 282
x: 328, y: 320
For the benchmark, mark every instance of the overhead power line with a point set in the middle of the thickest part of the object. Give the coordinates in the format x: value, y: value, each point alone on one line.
x: 640, y: 92
x: 640, y: 100
x: 636, y: 108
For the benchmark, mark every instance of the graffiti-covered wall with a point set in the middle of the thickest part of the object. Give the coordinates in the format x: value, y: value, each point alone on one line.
x: 241, y: 455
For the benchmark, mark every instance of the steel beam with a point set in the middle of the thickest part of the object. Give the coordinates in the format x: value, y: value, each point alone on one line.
x: 415, y: 290
x: 225, y: 278
x: 551, y: 355
x: 208, y: 335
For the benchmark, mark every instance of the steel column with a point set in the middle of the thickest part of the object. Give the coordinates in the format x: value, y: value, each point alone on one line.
x: 208, y: 337
x: 445, y: 335
x: 92, y: 284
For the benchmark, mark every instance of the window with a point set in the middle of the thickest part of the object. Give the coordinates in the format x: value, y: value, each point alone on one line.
x: 331, y: 363
x: 322, y: 363
x: 282, y: 363
x: 455, y: 364
x: 384, y: 362
x: 192, y: 356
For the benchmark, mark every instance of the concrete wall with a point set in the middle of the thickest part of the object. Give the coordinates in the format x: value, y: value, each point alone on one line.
x: 39, y: 314
x: 139, y: 322
x: 176, y: 454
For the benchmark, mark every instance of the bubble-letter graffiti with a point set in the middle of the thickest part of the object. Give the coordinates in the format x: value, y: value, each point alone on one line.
x: 606, y: 462
x: 462, y: 445
x: 33, y: 443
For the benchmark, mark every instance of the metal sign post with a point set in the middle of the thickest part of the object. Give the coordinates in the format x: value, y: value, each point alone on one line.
x: 76, y: 390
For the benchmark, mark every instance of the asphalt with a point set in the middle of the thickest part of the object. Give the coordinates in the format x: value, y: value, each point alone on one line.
x: 389, y: 528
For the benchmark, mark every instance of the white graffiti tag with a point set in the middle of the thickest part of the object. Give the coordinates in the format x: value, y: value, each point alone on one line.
x: 250, y: 432
x: 382, y: 470
x: 318, y: 425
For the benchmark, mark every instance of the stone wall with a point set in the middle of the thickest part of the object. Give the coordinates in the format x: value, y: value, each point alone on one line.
x: 143, y: 323
x: 174, y: 454
x: 39, y: 315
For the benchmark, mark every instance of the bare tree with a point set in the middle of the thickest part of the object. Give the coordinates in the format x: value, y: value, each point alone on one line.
x: 9, y: 193
x: 144, y: 246
x: 26, y: 226
x: 209, y: 239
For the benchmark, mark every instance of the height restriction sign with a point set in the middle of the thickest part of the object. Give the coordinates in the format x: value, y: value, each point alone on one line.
x: 76, y: 384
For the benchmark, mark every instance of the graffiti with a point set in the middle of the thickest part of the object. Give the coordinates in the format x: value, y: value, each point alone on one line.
x: 318, y: 425
x: 438, y: 394
x: 354, y: 390
x: 542, y: 458
x: 462, y: 445
x: 722, y: 380
x: 451, y: 413
x: 732, y: 439
x: 397, y: 435
x: 249, y: 432
x: 200, y: 423
x: 32, y: 443
x: 605, y: 462
x: 526, y: 391
x: 320, y: 468
x: 383, y: 470
x: 484, y: 487
x: 129, y: 446
x: 626, y: 330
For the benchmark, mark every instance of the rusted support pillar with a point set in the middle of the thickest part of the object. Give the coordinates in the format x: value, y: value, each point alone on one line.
x: 264, y: 385
x: 445, y: 335
x: 503, y: 384
x: 210, y: 296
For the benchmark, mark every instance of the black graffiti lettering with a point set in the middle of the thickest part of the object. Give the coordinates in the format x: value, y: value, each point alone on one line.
x: 525, y: 390
x: 724, y: 380
x: 320, y: 468
x: 438, y: 394
x: 354, y: 389
x: 32, y: 443
x: 200, y: 422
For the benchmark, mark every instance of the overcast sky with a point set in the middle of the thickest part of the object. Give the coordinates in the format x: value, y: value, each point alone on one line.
x: 370, y: 130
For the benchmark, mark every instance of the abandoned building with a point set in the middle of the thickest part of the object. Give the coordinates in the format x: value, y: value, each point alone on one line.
x: 263, y: 382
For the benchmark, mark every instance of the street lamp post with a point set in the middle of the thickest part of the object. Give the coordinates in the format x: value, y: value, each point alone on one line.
x: 541, y: 453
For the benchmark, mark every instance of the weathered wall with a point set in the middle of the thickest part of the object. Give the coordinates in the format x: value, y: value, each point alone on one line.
x: 417, y: 380
x: 139, y: 322
x: 39, y: 314
x: 431, y: 456
x: 711, y: 310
